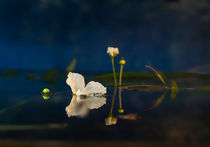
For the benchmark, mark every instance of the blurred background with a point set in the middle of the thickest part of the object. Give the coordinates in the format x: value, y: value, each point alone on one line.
x: 42, y: 40
x: 171, y: 35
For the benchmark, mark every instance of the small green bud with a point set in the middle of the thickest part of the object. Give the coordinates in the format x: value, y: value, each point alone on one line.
x: 46, y: 93
x: 122, y: 62
x: 46, y: 90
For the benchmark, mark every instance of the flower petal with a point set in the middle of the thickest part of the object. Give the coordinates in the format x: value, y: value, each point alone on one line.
x: 93, y: 89
x: 112, y: 51
x: 75, y: 81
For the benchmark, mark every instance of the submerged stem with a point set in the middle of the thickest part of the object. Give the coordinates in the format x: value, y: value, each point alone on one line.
x: 121, y: 110
x: 120, y: 98
x: 114, y: 74
x: 113, y: 99
x: 120, y: 79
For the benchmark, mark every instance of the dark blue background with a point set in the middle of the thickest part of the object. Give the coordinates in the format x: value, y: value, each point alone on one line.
x: 171, y: 35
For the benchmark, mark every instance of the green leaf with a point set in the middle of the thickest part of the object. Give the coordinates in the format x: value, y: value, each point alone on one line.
x: 71, y: 65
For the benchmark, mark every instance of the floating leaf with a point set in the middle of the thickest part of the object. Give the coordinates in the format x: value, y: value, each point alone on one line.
x: 144, y: 87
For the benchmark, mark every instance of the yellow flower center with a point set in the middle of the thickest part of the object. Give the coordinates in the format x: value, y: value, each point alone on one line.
x: 115, y: 53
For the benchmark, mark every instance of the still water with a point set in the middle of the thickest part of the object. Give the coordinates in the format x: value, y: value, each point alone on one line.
x: 151, y: 113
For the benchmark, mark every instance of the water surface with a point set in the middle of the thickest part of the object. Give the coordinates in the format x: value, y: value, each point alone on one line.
x: 150, y: 115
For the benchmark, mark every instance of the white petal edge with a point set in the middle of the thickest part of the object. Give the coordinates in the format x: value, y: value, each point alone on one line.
x: 93, y: 88
x: 75, y: 81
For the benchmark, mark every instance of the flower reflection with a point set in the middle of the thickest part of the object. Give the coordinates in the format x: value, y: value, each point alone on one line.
x: 110, y: 120
x: 80, y: 105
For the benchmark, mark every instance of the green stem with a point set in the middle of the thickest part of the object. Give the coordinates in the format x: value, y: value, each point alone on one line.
x: 120, y: 79
x: 114, y: 74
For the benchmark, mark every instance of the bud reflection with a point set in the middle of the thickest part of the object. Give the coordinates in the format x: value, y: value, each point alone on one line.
x: 111, y: 120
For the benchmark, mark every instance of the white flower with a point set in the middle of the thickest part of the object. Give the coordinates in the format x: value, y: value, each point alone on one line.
x: 112, y: 51
x: 77, y: 83
x: 80, y: 106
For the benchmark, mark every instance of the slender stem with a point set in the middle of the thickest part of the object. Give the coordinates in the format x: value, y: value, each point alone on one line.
x: 158, y: 75
x: 114, y: 74
x: 120, y: 98
x: 120, y: 82
x: 120, y: 79
x: 113, y: 99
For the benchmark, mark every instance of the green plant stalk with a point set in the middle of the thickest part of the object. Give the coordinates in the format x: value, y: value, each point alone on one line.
x: 114, y: 74
x: 158, y: 75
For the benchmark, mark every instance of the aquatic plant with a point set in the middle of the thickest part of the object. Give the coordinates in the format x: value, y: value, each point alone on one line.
x: 46, y: 93
x: 112, y: 53
x: 77, y: 83
x: 46, y: 90
x: 122, y: 62
x: 158, y: 75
